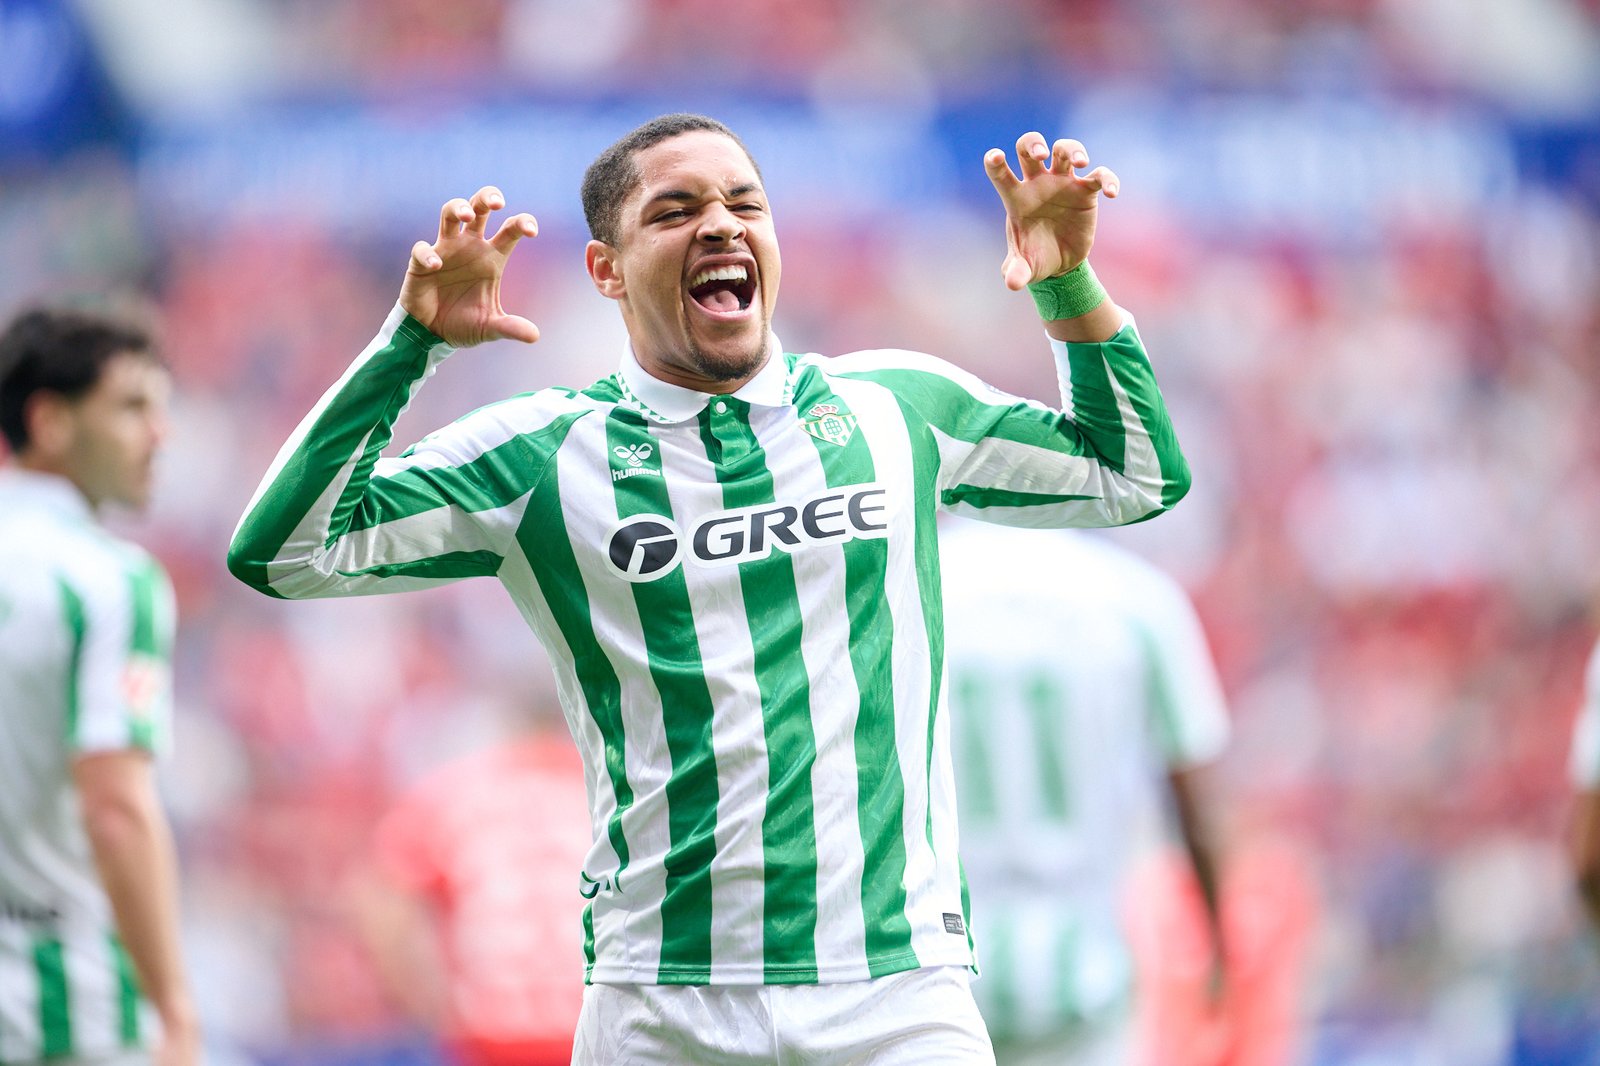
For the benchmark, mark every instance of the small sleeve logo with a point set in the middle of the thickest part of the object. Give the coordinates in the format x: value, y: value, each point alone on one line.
x: 954, y: 924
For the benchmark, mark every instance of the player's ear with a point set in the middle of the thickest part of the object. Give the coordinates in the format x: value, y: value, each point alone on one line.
x: 605, y: 269
x: 49, y: 418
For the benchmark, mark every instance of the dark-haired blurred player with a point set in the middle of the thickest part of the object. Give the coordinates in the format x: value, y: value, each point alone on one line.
x: 88, y: 878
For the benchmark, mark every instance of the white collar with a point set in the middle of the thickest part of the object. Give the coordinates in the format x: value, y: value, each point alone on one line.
x: 662, y: 401
x: 49, y: 491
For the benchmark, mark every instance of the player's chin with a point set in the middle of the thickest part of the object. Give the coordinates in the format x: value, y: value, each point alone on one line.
x: 732, y: 358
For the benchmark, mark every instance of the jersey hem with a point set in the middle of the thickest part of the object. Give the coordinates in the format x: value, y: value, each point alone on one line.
x: 872, y: 967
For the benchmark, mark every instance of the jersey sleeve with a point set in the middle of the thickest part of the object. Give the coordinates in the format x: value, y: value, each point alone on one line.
x: 1107, y: 457
x: 120, y: 688
x: 1585, y: 757
x: 332, y: 518
x: 1189, y: 712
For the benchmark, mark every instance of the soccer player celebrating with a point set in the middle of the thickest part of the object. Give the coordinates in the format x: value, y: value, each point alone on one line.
x: 88, y: 878
x: 730, y: 553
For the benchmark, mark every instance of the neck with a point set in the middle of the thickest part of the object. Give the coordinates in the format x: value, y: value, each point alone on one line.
x: 36, y: 464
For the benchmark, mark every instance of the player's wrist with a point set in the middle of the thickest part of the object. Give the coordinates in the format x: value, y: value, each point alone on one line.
x: 1069, y: 295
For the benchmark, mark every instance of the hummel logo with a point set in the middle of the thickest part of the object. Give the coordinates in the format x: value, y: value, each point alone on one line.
x: 634, y: 454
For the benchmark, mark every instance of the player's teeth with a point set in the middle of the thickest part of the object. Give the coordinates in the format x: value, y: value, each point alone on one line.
x: 723, y: 273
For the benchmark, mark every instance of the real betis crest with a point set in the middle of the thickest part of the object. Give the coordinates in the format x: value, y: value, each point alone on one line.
x: 828, y: 424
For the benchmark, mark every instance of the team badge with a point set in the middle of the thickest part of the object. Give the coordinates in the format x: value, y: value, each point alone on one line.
x: 828, y: 424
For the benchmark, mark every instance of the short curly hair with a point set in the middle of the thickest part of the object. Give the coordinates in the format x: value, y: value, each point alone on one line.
x: 613, y: 175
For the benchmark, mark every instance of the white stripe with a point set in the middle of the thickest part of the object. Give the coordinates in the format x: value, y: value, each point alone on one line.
x: 520, y: 583
x: 91, y: 990
x: 835, y: 704
x: 629, y: 920
x: 930, y: 891
x: 738, y: 734
x: 20, y: 1036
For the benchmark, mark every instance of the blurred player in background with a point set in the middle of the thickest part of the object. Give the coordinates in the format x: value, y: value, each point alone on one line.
x: 1079, y: 676
x: 467, y: 904
x: 1585, y: 771
x: 88, y: 871
x: 729, y: 552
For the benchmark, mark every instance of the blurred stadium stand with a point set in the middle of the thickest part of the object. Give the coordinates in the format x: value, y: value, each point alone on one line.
x: 1362, y: 238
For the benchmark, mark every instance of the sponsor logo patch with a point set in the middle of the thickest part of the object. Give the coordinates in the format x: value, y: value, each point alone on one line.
x: 953, y: 923
x: 649, y: 546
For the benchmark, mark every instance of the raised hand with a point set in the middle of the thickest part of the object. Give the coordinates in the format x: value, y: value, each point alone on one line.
x: 1050, y: 210
x: 452, y: 286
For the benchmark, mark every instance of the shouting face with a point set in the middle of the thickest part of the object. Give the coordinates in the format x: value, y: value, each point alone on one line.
x: 696, y: 266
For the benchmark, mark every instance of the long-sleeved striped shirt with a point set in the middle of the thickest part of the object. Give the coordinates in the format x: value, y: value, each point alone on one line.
x: 740, y: 595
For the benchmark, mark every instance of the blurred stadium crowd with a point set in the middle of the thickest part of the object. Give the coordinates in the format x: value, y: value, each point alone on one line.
x: 1361, y: 237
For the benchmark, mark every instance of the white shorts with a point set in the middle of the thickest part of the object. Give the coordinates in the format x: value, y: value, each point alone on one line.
x: 921, y: 1017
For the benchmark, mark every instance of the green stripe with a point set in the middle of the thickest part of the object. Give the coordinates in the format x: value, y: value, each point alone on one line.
x: 979, y: 497
x: 974, y: 717
x: 998, y: 985
x: 1158, y: 686
x: 486, y: 482
x: 543, y: 539
x: 588, y: 941
x: 1128, y: 361
x: 127, y: 994
x: 144, y: 586
x: 55, y: 1008
x: 771, y: 603
x: 673, y: 649
x: 1067, y: 1001
x: 77, y: 627
x: 948, y: 406
x: 481, y: 563
x: 880, y: 785
x: 1047, y: 705
x: 381, y: 386
x: 1095, y: 410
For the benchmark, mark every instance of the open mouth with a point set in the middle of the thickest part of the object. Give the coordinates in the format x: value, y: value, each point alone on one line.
x: 723, y: 290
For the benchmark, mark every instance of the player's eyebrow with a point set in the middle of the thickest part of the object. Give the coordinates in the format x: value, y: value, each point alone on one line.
x: 685, y: 196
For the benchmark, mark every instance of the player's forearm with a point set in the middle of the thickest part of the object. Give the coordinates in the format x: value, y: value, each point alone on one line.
x: 1109, y: 391
x: 137, y: 862
x: 1195, y: 831
x: 314, y: 490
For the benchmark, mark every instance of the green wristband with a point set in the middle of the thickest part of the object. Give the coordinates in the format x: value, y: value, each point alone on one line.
x: 1077, y: 292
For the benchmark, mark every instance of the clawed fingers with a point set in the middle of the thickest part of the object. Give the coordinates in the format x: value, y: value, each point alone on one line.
x: 1032, y: 154
x: 455, y: 213
x: 1101, y: 179
x: 484, y: 201
x: 999, y: 171
x: 1068, y: 154
x: 513, y: 230
x: 424, y: 260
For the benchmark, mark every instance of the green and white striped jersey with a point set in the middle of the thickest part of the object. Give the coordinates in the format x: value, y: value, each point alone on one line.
x: 740, y: 595
x: 86, y: 625
x: 1078, y: 676
x: 1585, y: 756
